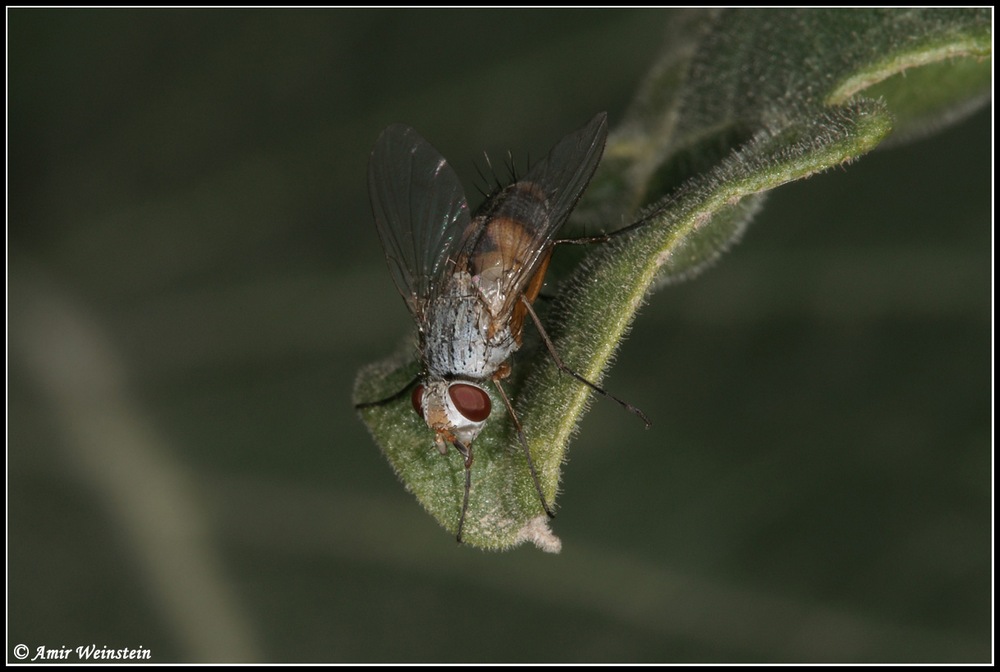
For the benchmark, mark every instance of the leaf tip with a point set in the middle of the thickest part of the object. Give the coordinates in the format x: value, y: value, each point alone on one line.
x: 538, y: 532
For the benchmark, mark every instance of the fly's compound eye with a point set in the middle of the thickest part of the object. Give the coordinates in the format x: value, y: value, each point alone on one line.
x: 417, y: 397
x: 471, y: 401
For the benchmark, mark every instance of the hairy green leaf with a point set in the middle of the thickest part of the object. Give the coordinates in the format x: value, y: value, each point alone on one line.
x: 740, y: 102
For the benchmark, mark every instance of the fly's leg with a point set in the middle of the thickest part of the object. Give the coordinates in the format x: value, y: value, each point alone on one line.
x: 604, y: 237
x: 527, y: 451
x: 592, y: 240
x: 466, y: 452
x: 565, y: 369
x: 393, y: 397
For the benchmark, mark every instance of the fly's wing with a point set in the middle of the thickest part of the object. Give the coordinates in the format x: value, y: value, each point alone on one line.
x: 563, y: 175
x: 420, y: 212
x: 538, y: 204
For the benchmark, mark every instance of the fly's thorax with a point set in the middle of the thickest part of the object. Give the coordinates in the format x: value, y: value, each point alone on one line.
x: 461, y: 337
x: 456, y: 410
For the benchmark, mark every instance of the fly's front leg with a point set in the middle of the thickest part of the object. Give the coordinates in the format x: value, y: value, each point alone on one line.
x: 527, y: 450
x: 393, y: 397
x: 466, y: 452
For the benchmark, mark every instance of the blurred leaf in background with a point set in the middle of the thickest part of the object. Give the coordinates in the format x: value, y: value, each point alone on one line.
x: 194, y: 279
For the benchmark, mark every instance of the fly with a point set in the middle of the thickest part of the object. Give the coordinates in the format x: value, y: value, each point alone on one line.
x: 469, y: 280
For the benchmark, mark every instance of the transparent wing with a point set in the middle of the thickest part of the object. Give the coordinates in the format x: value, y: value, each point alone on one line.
x: 563, y: 175
x: 515, y: 240
x: 420, y: 211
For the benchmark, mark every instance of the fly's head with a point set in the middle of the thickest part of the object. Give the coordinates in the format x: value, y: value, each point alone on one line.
x: 455, y: 410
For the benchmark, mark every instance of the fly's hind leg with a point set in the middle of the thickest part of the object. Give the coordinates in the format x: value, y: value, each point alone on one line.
x: 592, y: 240
x: 604, y: 237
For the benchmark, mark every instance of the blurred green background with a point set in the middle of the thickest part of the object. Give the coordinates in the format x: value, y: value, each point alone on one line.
x: 194, y: 280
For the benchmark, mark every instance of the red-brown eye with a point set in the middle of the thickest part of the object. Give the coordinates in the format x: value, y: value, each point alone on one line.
x: 471, y: 401
x: 417, y: 397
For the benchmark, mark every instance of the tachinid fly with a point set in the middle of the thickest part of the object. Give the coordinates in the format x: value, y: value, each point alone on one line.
x: 469, y: 281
